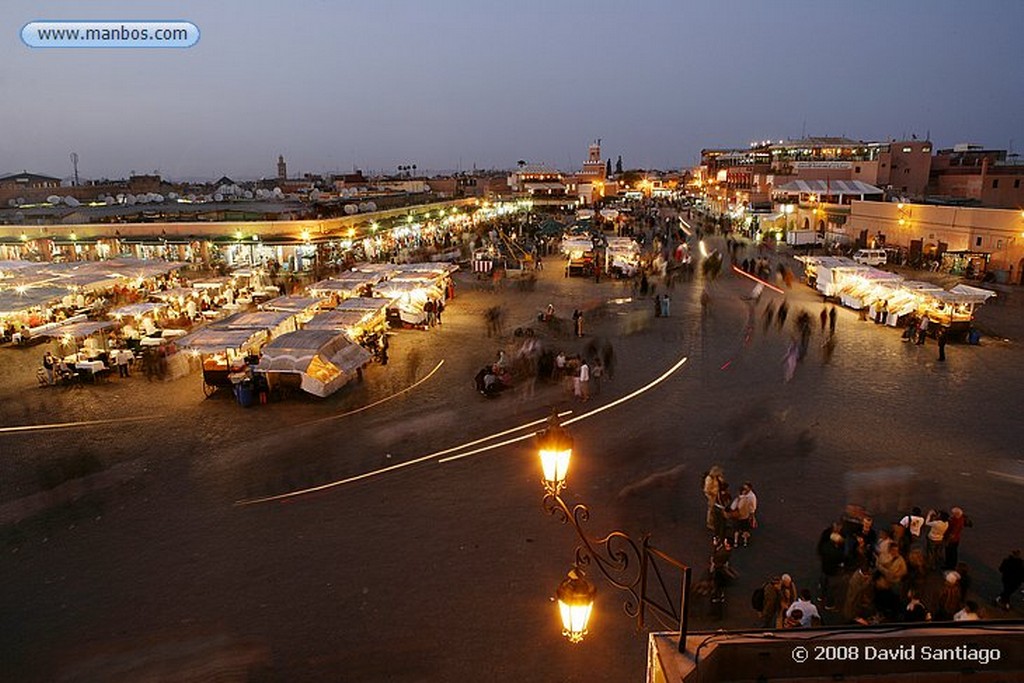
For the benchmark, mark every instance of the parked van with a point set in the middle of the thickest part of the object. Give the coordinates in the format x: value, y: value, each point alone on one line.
x: 870, y: 257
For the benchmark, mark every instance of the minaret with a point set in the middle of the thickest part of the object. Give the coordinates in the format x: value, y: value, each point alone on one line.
x: 282, y: 168
x: 594, y: 165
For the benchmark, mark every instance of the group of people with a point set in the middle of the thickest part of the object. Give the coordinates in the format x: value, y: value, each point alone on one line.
x: 732, y: 521
x: 874, y: 574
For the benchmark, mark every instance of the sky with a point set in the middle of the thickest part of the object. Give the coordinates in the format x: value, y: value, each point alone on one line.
x: 457, y: 84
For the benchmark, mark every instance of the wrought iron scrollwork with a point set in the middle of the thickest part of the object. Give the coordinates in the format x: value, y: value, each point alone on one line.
x: 628, y: 565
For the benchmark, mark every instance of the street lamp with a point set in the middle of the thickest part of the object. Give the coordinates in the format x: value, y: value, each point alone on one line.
x: 635, y: 567
x: 555, y: 450
x: 575, y: 603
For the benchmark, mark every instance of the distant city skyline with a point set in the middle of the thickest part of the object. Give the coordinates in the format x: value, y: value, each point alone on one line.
x: 452, y: 85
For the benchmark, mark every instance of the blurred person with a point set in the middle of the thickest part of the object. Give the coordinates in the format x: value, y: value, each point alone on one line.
x: 951, y: 539
x: 915, y: 609
x: 713, y: 479
x: 949, y: 602
x: 969, y: 612
x: 937, y: 523
x: 744, y: 508
x: 1011, y: 571
x: 808, y: 611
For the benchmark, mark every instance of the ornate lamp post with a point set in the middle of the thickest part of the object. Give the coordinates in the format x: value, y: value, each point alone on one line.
x: 635, y: 567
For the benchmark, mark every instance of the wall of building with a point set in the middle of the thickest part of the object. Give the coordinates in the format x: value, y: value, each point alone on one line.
x: 998, y: 232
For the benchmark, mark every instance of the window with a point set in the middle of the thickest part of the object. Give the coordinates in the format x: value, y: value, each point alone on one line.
x: 856, y: 169
x: 906, y: 170
x: 1016, y: 183
x: 977, y: 241
x: 908, y: 150
x: 926, y: 150
x: 995, y: 183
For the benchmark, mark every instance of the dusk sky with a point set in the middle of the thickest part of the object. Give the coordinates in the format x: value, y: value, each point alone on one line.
x: 451, y: 84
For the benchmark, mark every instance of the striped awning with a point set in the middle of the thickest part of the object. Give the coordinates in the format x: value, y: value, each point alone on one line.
x: 828, y: 187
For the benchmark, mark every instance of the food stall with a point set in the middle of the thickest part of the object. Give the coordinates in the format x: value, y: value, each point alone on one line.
x: 83, y: 345
x: 303, y: 307
x: 579, y: 254
x: 954, y: 309
x: 356, y: 317
x: 861, y: 288
x: 221, y: 353
x: 275, y: 323
x: 344, y: 286
x: 825, y: 273
x: 407, y: 300
x: 318, y: 361
x: 622, y: 257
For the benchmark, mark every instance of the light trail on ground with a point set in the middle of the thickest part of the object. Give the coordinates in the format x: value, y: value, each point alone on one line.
x: 377, y: 402
x: 396, y: 466
x: 600, y: 409
x: 454, y: 449
x: 81, y: 423
x: 769, y: 285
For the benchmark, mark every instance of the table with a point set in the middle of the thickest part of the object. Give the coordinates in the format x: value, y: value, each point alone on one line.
x: 95, y: 368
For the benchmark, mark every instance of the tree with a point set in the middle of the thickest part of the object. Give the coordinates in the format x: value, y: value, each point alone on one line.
x: 618, y: 165
x: 608, y: 168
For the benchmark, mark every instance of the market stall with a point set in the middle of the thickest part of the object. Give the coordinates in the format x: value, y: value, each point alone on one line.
x: 860, y: 288
x: 275, y: 323
x: 319, y: 361
x: 303, y: 307
x: 954, y: 309
x: 408, y: 299
x: 83, y: 345
x: 579, y: 254
x: 356, y: 317
x: 344, y: 286
x: 622, y: 257
x: 221, y: 353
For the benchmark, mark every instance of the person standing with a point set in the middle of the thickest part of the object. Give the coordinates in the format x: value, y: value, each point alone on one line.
x: 124, y: 357
x: 951, y: 539
x: 824, y: 319
x: 922, y: 329
x: 832, y: 320
x: 577, y: 318
x: 713, y: 479
x: 1011, y: 570
x: 584, y: 373
x: 743, y: 508
x: 49, y: 362
x: 940, y: 337
x: 937, y: 523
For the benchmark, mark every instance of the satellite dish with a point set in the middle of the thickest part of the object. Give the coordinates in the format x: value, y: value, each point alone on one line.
x: 71, y: 201
x: 158, y: 198
x: 53, y: 199
x: 364, y: 207
x: 277, y: 191
x: 218, y: 197
x: 247, y: 194
x: 371, y: 206
x: 108, y: 200
x: 121, y: 199
x: 172, y: 196
x: 130, y: 200
x: 351, y: 209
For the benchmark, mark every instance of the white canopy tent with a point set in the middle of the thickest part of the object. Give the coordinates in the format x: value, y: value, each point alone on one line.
x: 325, y: 360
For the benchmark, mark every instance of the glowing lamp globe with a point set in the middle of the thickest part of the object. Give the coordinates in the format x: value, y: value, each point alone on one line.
x: 555, y: 450
x: 575, y: 597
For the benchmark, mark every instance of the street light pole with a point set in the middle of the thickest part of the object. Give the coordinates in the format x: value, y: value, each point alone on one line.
x: 634, y: 567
